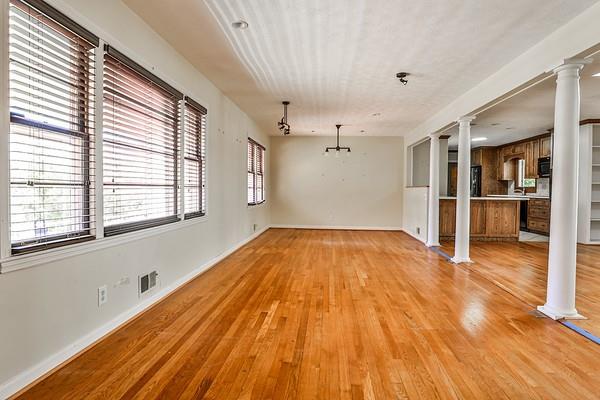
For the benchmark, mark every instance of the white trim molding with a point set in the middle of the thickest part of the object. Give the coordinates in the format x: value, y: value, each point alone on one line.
x: 408, y: 232
x: 338, y: 227
x: 15, y: 263
x: 29, y: 376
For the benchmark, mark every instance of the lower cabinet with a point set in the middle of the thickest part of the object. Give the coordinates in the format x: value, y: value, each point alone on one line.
x: 493, y: 220
x: 538, y: 216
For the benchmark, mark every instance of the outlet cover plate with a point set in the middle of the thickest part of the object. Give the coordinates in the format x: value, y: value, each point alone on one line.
x: 102, y: 295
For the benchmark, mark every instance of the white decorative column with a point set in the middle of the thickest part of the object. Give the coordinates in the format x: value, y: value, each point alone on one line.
x: 433, y: 215
x: 562, y: 257
x: 463, y: 192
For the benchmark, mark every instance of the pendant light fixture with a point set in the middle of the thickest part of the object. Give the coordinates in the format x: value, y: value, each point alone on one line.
x: 283, y: 124
x: 337, y: 147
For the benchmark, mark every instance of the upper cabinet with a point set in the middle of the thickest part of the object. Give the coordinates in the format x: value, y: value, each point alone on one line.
x: 546, y: 146
x: 532, y: 153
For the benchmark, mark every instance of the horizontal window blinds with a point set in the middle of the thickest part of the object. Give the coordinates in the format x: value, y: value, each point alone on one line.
x: 256, y: 191
x: 51, y: 102
x: 194, y: 159
x: 140, y: 119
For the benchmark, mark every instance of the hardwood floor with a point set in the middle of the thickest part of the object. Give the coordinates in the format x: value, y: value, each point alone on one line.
x: 305, y: 314
x: 522, y: 268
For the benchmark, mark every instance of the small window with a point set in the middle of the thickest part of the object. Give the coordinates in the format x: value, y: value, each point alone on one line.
x: 51, y: 134
x: 194, y: 159
x: 140, y: 119
x: 256, y: 166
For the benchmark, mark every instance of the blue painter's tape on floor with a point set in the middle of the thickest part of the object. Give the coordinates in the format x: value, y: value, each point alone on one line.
x: 441, y: 253
x: 581, y: 331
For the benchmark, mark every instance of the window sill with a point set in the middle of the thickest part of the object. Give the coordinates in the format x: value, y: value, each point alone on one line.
x: 18, y: 262
x: 251, y: 205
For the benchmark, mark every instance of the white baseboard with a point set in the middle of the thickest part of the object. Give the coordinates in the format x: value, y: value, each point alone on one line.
x: 25, y: 378
x: 424, y: 241
x: 340, y: 227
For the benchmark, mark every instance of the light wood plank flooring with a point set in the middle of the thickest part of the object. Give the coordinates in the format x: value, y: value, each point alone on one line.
x: 309, y: 314
x: 522, y: 269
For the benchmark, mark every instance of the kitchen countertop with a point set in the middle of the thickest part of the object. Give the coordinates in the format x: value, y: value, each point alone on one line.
x: 501, y: 198
x: 527, y: 196
x: 506, y: 197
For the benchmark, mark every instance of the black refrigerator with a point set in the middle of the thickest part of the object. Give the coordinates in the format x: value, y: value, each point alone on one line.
x: 476, y: 181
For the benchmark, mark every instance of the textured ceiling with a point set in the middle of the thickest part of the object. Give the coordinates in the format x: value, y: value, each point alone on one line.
x: 531, y: 113
x: 336, y: 60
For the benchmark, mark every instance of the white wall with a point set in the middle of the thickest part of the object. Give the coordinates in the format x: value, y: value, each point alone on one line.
x: 360, y: 190
x: 415, y: 212
x: 420, y: 168
x: 443, y: 167
x: 46, y: 308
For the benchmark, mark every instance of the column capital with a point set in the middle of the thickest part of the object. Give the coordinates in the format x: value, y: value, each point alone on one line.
x: 571, y: 64
x: 434, y: 135
x: 465, y: 119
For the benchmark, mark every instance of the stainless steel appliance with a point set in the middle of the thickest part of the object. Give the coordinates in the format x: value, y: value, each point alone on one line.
x: 476, y: 181
x: 544, y: 167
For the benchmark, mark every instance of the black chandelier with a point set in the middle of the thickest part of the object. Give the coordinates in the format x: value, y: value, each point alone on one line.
x: 337, y: 147
x: 283, y: 124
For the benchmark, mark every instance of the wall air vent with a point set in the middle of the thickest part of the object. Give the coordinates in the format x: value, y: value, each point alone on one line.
x: 147, y: 282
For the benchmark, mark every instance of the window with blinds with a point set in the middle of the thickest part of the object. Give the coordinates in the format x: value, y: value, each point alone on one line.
x: 51, y: 136
x: 140, y: 119
x: 194, y: 155
x: 256, y: 166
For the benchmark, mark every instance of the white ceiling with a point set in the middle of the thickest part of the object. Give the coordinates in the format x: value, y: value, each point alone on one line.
x: 336, y: 60
x: 531, y: 112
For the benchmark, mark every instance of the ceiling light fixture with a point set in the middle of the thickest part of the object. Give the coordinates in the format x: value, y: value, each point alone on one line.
x: 597, y: 75
x: 376, y: 114
x: 478, y: 139
x: 241, y: 24
x: 402, y: 77
x: 337, y: 147
x: 283, y: 124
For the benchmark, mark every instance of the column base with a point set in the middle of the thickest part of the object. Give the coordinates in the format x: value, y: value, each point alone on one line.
x: 457, y: 260
x: 556, y: 315
x: 436, y: 244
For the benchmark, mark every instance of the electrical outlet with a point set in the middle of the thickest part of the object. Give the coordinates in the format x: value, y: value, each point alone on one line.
x: 102, y: 295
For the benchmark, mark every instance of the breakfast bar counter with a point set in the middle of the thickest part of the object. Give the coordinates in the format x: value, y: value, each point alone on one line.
x: 492, y: 218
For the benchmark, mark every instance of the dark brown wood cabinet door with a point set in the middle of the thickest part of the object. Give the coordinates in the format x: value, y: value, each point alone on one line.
x: 452, y: 179
x: 478, y: 211
x: 502, y: 218
x: 447, y: 217
x: 545, y: 146
x: 531, y: 158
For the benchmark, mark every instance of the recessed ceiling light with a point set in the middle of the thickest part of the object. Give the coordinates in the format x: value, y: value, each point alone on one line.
x: 375, y: 114
x: 241, y: 24
x: 362, y: 131
x: 496, y: 124
x: 478, y: 139
x: 510, y: 128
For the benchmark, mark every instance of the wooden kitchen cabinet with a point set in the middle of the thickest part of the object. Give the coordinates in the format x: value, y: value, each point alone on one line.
x: 532, y: 153
x: 500, y: 163
x: 476, y: 155
x: 538, y: 216
x: 546, y: 146
x: 491, y: 219
x: 486, y: 158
